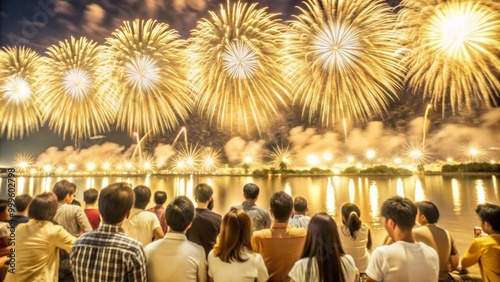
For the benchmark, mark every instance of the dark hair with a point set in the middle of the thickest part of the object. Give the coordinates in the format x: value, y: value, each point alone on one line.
x: 22, y: 202
x: 323, y: 243
x: 63, y: 188
x: 90, y: 195
x: 401, y: 210
x: 179, y: 213
x: 203, y: 192
x: 251, y: 191
x: 115, y: 201
x: 489, y: 213
x: 300, y: 204
x: 429, y: 210
x: 160, y: 197
x: 235, y: 234
x: 3, y: 205
x: 142, y: 196
x: 350, y: 217
x: 281, y: 205
x: 43, y: 206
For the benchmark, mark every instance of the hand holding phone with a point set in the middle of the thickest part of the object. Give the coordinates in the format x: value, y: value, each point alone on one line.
x: 478, y: 232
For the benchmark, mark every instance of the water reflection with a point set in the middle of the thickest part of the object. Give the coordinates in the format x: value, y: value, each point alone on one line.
x: 330, y: 198
x: 400, y: 190
x: 419, y: 191
x: 373, y: 190
x: 481, y: 195
x: 288, y: 189
x: 146, y: 181
x: 189, y: 188
x: 105, y: 182
x: 351, y: 190
x: 31, y: 185
x: 495, y: 186
x: 455, y: 191
x: 90, y: 183
x: 46, y: 184
x: 20, y: 185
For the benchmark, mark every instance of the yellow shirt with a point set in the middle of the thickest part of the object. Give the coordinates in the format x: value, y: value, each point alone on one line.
x: 36, y: 253
x: 486, y: 252
x: 280, y: 247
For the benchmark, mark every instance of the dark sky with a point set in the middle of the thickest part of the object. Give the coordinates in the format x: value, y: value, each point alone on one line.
x: 40, y: 23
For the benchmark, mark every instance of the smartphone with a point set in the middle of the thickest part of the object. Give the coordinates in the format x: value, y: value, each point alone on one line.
x: 478, y: 231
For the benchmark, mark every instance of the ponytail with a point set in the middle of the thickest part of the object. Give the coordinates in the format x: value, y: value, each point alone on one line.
x: 353, y: 224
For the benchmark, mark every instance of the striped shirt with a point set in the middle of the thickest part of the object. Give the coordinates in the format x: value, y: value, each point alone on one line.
x: 107, y: 254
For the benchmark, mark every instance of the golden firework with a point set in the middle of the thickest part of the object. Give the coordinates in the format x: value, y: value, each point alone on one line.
x: 455, y: 47
x: 24, y: 161
x: 147, y: 67
x: 236, y: 75
x: 342, y: 59
x: 73, y: 101
x: 282, y: 157
x: 20, y: 110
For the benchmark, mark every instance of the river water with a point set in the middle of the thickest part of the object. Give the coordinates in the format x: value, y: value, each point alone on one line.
x: 455, y: 196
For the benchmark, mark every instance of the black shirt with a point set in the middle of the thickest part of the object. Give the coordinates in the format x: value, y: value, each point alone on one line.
x: 205, y: 229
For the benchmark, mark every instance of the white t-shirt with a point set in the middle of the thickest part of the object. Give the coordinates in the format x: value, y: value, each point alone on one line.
x: 251, y: 270
x: 298, y: 272
x: 356, y: 247
x: 403, y: 261
x: 140, y: 225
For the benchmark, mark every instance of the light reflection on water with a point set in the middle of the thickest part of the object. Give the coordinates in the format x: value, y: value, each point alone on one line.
x: 455, y: 191
x: 419, y: 191
x: 481, y: 195
x: 330, y: 198
x: 400, y: 190
x: 374, y: 210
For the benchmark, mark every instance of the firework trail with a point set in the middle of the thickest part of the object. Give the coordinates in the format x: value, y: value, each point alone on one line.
x: 73, y: 101
x: 20, y: 110
x: 236, y: 75
x: 454, y: 50
x: 147, y: 66
x: 342, y: 59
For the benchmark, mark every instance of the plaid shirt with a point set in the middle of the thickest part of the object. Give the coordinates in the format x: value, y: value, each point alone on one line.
x: 107, y: 254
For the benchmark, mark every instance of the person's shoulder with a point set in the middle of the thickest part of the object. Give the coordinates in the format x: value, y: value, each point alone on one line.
x: 297, y: 231
x: 236, y: 207
x: 263, y: 233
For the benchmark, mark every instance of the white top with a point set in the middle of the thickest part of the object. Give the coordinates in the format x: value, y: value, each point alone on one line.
x: 403, y: 261
x: 174, y: 258
x: 300, y: 221
x: 298, y: 272
x: 140, y: 225
x: 251, y: 270
x: 356, y: 247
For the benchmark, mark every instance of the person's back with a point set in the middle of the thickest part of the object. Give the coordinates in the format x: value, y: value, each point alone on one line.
x: 71, y: 217
x: 22, y: 203
x: 299, y: 218
x: 107, y: 254
x: 281, y: 245
x: 260, y: 217
x: 160, y: 198
x: 90, y: 198
x: 405, y: 259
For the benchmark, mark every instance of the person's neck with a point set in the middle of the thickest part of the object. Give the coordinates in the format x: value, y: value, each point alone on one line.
x: 300, y: 213
x: 24, y: 213
x: 177, y: 232
x: 405, y: 236
x: 90, y: 206
x: 250, y: 200
x: 202, y: 205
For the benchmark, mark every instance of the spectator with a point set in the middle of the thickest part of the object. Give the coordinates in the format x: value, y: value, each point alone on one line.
x: 160, y: 199
x: 486, y: 250
x: 355, y: 236
x: 323, y: 258
x: 436, y: 237
x: 281, y: 245
x: 39, y: 240
x: 90, y: 198
x: 259, y: 216
x: 299, y: 218
x: 4, y: 228
x: 175, y: 258
x: 141, y: 224
x: 405, y: 259
x: 206, y: 223
x: 22, y: 203
x: 107, y: 254
x: 232, y: 258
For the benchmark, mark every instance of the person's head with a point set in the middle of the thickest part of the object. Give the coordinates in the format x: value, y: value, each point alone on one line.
x: 180, y: 214
x: 398, y: 212
x: 115, y: 202
x: 90, y: 196
x: 142, y: 196
x: 235, y: 234
x: 251, y: 191
x: 65, y: 191
x: 43, y: 206
x: 281, y: 206
x: 22, y: 202
x: 160, y: 197
x: 490, y: 217
x: 300, y: 205
x: 350, y: 218
x: 203, y: 193
x: 3, y: 210
x: 323, y: 243
x: 427, y: 212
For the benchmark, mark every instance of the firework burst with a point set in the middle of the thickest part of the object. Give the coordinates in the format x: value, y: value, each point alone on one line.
x: 74, y: 102
x: 20, y: 110
x: 211, y: 159
x: 147, y: 67
x: 454, y: 50
x: 24, y: 161
x: 237, y: 79
x: 187, y: 158
x: 342, y: 59
x: 282, y: 157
